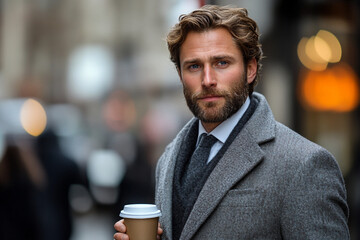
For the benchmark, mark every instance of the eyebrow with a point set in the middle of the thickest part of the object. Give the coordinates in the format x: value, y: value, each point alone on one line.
x: 219, y: 57
x: 222, y: 57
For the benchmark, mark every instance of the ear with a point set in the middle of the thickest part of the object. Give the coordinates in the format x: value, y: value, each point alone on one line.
x: 251, y: 70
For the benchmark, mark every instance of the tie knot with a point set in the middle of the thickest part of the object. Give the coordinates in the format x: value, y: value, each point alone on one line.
x: 207, y: 141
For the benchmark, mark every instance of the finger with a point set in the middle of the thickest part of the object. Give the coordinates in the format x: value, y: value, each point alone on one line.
x: 120, y: 226
x: 121, y: 236
x: 160, y: 231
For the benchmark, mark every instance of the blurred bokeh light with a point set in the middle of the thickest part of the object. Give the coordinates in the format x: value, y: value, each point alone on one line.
x: 33, y: 117
x: 327, y: 46
x: 317, y: 51
x: 334, y: 89
x: 91, y: 72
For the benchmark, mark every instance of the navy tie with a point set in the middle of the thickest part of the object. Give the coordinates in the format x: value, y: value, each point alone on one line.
x: 198, y: 162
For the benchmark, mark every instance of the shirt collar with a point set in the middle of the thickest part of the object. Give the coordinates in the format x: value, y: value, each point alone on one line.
x: 223, y: 130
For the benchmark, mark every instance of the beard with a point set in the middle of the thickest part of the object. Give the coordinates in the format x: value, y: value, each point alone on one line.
x: 213, y: 112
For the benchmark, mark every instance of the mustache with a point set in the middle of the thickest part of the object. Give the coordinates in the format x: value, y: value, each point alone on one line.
x: 207, y: 92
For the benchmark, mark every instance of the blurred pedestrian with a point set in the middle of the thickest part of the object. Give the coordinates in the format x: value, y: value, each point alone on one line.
x: 53, y: 201
x: 119, y: 114
x: 21, y: 178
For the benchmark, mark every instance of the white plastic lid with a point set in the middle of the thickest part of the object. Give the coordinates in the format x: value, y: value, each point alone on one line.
x: 140, y: 211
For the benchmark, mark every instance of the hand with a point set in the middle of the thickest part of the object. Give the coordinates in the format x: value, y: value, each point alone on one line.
x: 121, y: 228
x: 121, y: 231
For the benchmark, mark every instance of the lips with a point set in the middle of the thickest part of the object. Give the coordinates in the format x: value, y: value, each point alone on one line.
x: 210, y: 98
x: 209, y: 95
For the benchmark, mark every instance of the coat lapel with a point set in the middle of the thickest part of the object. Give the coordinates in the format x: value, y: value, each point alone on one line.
x: 242, y: 156
x: 165, y: 197
x: 225, y: 175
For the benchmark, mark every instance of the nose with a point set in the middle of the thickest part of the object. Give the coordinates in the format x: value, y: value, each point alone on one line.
x: 208, y: 77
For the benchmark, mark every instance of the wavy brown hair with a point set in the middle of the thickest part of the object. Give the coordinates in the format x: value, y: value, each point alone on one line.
x: 243, y: 30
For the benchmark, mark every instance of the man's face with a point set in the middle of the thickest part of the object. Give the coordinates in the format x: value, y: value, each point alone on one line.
x: 213, y: 74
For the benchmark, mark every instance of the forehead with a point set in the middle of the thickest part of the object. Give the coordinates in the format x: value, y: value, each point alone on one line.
x: 209, y: 43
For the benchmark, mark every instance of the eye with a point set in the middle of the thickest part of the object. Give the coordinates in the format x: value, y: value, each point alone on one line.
x: 193, y: 67
x: 222, y: 63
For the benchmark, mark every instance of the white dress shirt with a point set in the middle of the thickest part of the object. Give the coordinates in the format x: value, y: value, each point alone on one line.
x: 223, y: 130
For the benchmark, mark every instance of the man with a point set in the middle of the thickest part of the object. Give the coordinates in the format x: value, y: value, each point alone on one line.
x: 261, y: 179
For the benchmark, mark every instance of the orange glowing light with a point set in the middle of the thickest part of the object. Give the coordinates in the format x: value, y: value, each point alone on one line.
x: 334, y: 89
x: 33, y: 117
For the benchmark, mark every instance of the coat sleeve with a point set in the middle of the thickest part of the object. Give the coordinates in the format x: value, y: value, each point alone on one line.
x: 315, y: 204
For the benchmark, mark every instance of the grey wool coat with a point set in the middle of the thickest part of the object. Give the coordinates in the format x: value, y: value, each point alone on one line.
x: 270, y: 184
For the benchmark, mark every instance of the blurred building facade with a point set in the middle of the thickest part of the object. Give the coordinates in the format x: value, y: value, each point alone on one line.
x: 80, y: 58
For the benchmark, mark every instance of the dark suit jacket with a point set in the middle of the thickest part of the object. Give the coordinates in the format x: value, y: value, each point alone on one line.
x: 270, y: 184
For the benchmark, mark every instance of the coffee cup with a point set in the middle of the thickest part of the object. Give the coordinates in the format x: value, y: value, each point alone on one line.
x: 141, y: 221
